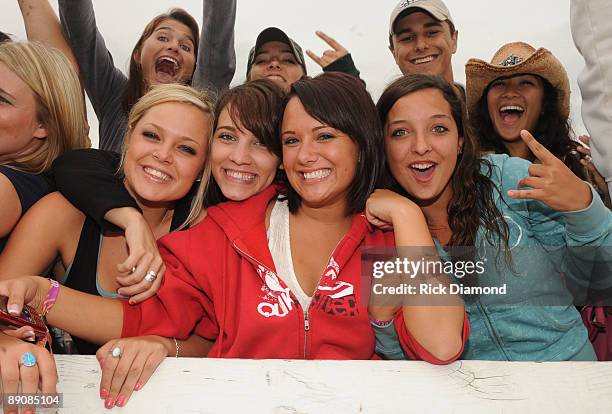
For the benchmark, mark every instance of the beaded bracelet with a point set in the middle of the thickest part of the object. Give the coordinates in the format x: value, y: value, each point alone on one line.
x: 381, y: 324
x: 51, y: 296
x: 176, y: 344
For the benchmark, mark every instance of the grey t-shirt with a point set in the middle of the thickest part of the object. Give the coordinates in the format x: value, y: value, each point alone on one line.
x: 106, y: 85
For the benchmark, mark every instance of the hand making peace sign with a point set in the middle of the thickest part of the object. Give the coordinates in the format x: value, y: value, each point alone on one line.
x: 330, y: 55
x: 551, y: 181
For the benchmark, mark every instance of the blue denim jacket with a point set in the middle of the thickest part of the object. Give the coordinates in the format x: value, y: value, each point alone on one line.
x: 526, y: 326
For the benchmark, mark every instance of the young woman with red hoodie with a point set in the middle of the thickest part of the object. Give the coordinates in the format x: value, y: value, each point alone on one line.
x: 278, y: 275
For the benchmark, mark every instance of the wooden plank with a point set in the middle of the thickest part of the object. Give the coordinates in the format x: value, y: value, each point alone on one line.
x: 186, y: 385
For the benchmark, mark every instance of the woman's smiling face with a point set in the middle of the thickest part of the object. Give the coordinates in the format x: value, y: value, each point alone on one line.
x: 515, y: 104
x: 319, y: 160
x: 241, y: 165
x: 422, y: 144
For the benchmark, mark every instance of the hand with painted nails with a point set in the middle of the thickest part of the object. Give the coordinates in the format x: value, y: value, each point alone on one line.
x: 24, y: 290
x: 30, y: 365
x: 328, y: 57
x: 143, y: 256
x: 551, y: 181
x: 127, y: 364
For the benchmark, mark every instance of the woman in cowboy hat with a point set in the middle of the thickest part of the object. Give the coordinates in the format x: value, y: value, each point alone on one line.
x: 522, y: 88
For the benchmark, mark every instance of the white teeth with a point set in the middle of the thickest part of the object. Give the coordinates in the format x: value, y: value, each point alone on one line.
x: 157, y: 174
x: 422, y: 166
x: 317, y: 174
x: 423, y: 60
x: 170, y: 59
x: 240, y: 175
x: 511, y: 108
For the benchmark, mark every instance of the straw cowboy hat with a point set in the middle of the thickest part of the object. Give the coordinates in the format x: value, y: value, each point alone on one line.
x: 512, y: 59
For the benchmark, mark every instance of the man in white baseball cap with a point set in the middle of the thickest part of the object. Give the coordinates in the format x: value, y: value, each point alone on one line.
x: 423, y: 38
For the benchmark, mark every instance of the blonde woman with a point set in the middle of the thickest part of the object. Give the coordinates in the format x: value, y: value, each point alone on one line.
x: 42, y: 115
x: 165, y: 150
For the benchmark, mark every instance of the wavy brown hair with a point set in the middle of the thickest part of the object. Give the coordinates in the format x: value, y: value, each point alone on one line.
x: 472, y: 204
x: 552, y: 130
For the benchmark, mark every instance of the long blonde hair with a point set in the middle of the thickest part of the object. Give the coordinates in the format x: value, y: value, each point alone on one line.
x: 60, y: 105
x: 174, y: 92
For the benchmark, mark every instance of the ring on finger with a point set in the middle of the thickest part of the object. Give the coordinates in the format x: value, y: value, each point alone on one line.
x: 150, y: 276
x: 115, y: 352
x: 28, y: 359
x: 588, y: 158
x: 133, y: 269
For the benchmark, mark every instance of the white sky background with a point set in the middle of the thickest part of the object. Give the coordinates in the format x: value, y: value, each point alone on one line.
x: 360, y: 25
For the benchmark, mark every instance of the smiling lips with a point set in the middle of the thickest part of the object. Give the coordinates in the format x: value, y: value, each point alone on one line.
x: 423, y: 60
x: 240, y: 176
x: 156, y: 175
x: 422, y: 171
x: 511, y: 113
x: 316, y: 175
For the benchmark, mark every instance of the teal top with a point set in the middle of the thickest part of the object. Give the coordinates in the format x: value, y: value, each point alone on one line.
x: 536, y: 319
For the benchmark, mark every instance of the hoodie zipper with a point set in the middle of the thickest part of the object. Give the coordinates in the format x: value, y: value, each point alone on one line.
x: 306, y: 316
x: 306, y: 329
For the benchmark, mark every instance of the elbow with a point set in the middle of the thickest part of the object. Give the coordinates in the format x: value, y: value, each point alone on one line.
x: 446, y: 351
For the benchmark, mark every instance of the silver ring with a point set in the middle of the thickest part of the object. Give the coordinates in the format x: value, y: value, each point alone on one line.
x: 115, y: 352
x: 588, y: 158
x: 150, y: 276
x: 133, y: 269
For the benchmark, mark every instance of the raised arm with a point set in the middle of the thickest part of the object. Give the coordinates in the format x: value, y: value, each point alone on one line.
x: 42, y: 25
x: 216, y: 55
x: 104, y: 83
x: 446, y: 312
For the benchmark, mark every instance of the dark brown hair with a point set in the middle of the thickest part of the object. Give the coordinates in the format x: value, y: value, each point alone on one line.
x: 136, y: 84
x: 257, y: 106
x: 552, y: 130
x: 342, y: 102
x: 472, y: 204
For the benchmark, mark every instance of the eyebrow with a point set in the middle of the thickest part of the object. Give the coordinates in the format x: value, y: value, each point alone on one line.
x: 162, y: 129
x: 436, y: 116
x: 172, y: 30
x: 314, y: 129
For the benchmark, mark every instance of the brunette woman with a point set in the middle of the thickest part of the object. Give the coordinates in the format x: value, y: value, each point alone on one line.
x: 524, y: 88
x: 166, y: 52
x: 523, y: 236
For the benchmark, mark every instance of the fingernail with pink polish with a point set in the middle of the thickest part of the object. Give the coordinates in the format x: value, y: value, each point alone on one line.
x: 109, y: 403
x: 121, y: 401
x: 138, y: 386
x: 13, y: 309
x: 103, y: 394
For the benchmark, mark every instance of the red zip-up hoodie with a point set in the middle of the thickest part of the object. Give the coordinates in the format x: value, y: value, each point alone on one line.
x: 221, y: 280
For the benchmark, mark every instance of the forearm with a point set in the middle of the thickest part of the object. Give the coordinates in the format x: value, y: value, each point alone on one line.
x: 98, y: 189
x: 42, y: 25
x: 93, y: 318
x: 123, y: 217
x: 195, y: 346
